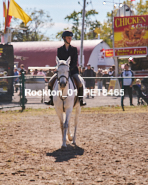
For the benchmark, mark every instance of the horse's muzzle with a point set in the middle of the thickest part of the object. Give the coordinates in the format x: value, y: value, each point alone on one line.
x: 62, y: 85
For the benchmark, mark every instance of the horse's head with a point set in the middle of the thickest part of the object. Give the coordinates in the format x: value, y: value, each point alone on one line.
x: 63, y: 71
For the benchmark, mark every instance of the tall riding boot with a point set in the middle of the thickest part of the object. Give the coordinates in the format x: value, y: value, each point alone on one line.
x: 50, y: 102
x: 80, y: 93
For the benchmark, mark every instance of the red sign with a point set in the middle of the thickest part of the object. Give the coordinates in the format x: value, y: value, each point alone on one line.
x: 131, y: 31
x: 109, y: 53
x: 131, y: 51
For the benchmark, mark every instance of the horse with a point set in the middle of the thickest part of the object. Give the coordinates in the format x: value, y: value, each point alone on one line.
x: 65, y: 100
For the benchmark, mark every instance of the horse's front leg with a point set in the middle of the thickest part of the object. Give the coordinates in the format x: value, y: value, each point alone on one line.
x: 78, y: 110
x: 65, y: 126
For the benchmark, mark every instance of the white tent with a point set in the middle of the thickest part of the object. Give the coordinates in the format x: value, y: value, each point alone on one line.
x: 97, y: 57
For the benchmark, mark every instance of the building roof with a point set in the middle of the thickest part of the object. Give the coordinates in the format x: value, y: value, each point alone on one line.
x: 44, y: 52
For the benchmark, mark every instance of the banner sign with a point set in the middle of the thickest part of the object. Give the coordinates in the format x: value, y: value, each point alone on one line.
x: 131, y: 31
x: 109, y: 53
x: 131, y: 51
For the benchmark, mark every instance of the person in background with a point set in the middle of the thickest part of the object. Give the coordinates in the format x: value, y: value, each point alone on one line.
x: 110, y: 72
x: 99, y: 80
x: 80, y: 71
x: 105, y: 79
x: 16, y: 80
x: 113, y: 70
x: 89, y: 82
x: 83, y: 70
x: 127, y: 82
x: 93, y: 76
x: 41, y: 73
x: 22, y: 69
x: 138, y: 83
x: 28, y: 72
x: 35, y: 72
x: 49, y: 74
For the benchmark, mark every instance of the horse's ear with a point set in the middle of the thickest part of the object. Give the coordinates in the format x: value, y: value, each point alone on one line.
x: 57, y: 60
x: 68, y: 61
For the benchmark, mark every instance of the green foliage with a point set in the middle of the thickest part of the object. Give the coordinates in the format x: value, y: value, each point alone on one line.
x: 76, y: 19
x: 142, y: 8
x: 32, y: 32
x: 59, y: 34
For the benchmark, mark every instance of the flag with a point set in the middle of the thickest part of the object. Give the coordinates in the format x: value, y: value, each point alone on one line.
x: 7, y: 19
x: 16, y: 11
x: 4, y: 9
x: 8, y: 16
x: 5, y: 14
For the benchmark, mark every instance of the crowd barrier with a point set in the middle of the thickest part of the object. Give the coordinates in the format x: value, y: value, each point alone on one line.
x: 34, y: 89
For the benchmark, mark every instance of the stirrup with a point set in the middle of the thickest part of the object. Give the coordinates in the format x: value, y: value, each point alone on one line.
x: 50, y: 102
x: 82, y: 103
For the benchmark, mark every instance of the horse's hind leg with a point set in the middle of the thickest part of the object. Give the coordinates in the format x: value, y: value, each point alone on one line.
x: 78, y: 109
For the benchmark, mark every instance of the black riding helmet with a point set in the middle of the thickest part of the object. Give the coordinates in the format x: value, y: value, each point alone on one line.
x: 67, y: 33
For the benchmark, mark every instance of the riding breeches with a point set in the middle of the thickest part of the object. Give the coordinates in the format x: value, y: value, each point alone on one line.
x: 75, y: 76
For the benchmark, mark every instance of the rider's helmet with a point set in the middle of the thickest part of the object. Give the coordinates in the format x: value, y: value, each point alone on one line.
x: 67, y: 33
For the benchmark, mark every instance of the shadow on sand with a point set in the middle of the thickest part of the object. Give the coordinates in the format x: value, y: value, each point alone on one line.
x: 66, y: 154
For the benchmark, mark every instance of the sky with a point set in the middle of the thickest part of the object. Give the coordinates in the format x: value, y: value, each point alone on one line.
x: 59, y: 9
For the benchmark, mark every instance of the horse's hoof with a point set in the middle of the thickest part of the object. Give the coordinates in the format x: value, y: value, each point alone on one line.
x: 64, y: 147
x: 73, y: 143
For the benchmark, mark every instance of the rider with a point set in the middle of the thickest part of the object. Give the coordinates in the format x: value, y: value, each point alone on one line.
x: 63, y: 53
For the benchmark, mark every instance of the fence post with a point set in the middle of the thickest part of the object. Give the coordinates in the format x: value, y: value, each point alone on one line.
x: 23, y: 91
x: 122, y: 97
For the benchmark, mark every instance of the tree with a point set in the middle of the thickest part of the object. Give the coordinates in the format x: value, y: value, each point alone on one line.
x: 105, y: 30
x: 142, y: 8
x: 75, y: 18
x: 32, y: 32
x: 59, y: 34
x: 90, y: 25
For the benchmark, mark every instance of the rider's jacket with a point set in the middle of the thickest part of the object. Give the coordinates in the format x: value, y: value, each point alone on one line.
x: 63, y: 54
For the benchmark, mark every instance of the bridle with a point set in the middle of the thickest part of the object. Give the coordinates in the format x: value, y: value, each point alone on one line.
x: 67, y: 78
x: 58, y: 80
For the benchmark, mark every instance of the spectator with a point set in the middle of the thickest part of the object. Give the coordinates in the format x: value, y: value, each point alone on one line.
x: 83, y: 70
x: 29, y: 72
x: 16, y: 80
x: 138, y: 83
x: 22, y: 69
x: 35, y: 72
x: 41, y: 73
x: 93, y: 76
x: 105, y: 80
x: 127, y: 82
x: 80, y: 71
x: 49, y: 74
x: 99, y: 81
x: 89, y: 82
x: 110, y: 73
x: 113, y: 70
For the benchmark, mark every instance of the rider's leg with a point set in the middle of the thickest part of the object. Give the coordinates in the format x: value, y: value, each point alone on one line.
x: 50, y: 86
x: 80, y: 89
